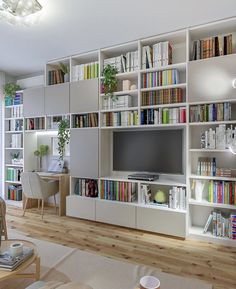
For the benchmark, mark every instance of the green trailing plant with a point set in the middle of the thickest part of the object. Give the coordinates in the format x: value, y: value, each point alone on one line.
x: 63, y: 67
x: 110, y: 80
x: 41, y: 152
x: 10, y: 89
x: 63, y: 137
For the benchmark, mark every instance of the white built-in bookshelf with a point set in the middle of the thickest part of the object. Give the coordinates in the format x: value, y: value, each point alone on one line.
x: 14, y: 147
x: 158, y: 94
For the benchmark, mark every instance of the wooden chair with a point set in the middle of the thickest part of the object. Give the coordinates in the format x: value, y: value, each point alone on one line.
x: 3, y: 218
x: 35, y: 187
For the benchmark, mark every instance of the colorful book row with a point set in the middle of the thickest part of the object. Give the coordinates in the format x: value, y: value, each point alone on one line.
x: 163, y: 116
x: 86, y: 188
x: 16, y: 140
x: 17, y: 111
x: 14, y: 193
x: 118, y: 191
x: 85, y: 120
x: 120, y: 118
x: 35, y: 123
x: 206, y: 166
x: 160, y: 78
x: 85, y: 71
x: 55, y: 76
x: 221, y: 192
x: 210, y: 112
x: 164, y: 96
x: 212, y: 46
x: 13, y: 174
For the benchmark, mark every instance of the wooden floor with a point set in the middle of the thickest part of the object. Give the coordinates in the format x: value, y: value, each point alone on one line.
x: 210, y: 262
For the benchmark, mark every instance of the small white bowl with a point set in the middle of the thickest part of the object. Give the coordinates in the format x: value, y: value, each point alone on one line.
x: 149, y: 282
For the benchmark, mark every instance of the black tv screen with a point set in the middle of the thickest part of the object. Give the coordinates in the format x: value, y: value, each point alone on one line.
x: 153, y: 151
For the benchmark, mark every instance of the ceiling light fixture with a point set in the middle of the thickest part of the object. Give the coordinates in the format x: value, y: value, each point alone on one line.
x: 19, y: 11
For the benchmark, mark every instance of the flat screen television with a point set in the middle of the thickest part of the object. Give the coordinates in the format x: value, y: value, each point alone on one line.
x: 152, y: 151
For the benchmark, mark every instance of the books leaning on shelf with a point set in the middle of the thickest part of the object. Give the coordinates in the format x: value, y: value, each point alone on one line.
x: 122, y: 101
x: 212, y: 46
x: 220, y: 138
x: 9, y: 263
x: 85, y: 71
x: 124, y: 63
x: 120, y: 118
x: 85, y: 120
x: 118, y: 191
x: 13, y: 174
x: 14, y: 193
x: 221, y: 192
x: 86, y: 188
x: 221, y: 225
x: 210, y: 112
x: 158, y: 55
x: 163, y: 116
x: 160, y: 78
x: 164, y: 96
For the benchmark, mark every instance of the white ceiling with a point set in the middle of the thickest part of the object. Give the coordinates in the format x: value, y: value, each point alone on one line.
x: 72, y: 26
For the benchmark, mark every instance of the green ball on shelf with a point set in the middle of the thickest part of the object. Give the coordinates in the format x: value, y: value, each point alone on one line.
x: 160, y: 197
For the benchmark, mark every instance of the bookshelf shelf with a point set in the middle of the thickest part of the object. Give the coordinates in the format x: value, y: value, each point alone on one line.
x: 117, y: 93
x: 209, y: 151
x: 179, y: 66
x: 14, y: 148
x: 212, y: 178
x: 177, y: 104
x: 119, y: 109
x: 159, y: 207
x: 197, y: 232
x: 13, y: 182
x: 213, y: 122
x: 13, y: 165
x: 126, y: 75
x: 14, y: 131
x: 180, y: 85
x: 214, y: 205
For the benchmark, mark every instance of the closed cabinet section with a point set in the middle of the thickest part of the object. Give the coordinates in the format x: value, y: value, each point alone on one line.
x: 80, y: 207
x: 33, y: 102
x: 161, y: 221
x: 84, y: 153
x: 84, y: 96
x: 115, y: 213
x: 57, y: 99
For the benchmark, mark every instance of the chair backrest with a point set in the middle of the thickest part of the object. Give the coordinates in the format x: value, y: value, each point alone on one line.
x: 31, y: 185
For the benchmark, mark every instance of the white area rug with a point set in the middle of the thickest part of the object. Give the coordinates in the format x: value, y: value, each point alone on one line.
x: 65, y: 264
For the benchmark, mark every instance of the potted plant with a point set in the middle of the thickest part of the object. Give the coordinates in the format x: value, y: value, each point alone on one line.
x: 15, y: 158
x: 9, y: 90
x: 63, y: 137
x: 110, y: 81
x: 65, y: 69
x: 40, y: 153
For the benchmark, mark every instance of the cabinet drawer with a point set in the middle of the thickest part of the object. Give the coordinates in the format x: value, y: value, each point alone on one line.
x: 80, y: 207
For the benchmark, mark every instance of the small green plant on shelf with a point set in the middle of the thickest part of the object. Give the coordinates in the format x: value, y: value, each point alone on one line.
x: 9, y: 90
x: 40, y: 153
x: 110, y: 81
x: 65, y: 69
x: 15, y: 158
x: 63, y: 137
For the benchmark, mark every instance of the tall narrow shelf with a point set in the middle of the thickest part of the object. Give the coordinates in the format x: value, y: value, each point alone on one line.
x: 13, y: 152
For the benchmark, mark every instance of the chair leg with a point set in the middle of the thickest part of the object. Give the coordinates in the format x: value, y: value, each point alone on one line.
x: 26, y: 201
x: 4, y: 227
x: 38, y: 204
x: 55, y: 202
x: 42, y: 210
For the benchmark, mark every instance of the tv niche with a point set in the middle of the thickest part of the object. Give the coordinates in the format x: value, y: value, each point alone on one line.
x: 149, y: 151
